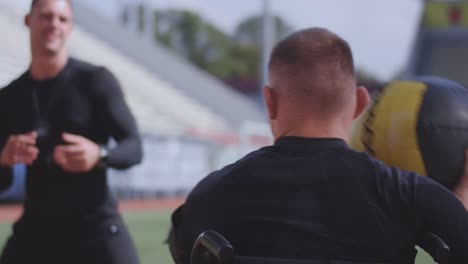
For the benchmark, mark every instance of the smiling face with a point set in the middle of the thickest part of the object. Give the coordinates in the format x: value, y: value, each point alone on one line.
x: 50, y: 25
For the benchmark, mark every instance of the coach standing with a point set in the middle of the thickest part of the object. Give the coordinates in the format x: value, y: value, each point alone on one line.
x: 58, y: 118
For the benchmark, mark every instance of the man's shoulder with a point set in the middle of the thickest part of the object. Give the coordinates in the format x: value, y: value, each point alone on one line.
x: 363, y: 159
x: 218, y: 178
x: 378, y: 168
x: 9, y: 87
x: 245, y: 162
x: 82, y: 65
x: 12, y: 86
x: 386, y: 176
x: 98, y: 78
x: 87, y: 68
x: 82, y: 68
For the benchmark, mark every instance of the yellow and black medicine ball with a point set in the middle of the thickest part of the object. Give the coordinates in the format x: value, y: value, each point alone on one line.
x: 419, y: 125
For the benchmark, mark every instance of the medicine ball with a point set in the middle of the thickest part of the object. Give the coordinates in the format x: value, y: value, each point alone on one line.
x: 419, y: 125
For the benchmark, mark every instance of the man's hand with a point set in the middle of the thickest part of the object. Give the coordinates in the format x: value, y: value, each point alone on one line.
x: 461, y: 190
x: 19, y: 149
x: 78, y: 155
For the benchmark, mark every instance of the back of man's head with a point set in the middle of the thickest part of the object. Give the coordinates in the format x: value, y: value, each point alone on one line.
x: 312, y: 70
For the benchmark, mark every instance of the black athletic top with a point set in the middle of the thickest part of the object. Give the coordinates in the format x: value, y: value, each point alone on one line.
x: 313, y: 198
x: 84, y: 100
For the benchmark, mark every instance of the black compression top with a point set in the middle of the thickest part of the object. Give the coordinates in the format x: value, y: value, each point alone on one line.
x: 84, y: 100
x: 312, y: 198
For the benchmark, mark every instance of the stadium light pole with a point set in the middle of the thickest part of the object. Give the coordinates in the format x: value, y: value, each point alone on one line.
x: 149, y: 21
x: 267, y: 43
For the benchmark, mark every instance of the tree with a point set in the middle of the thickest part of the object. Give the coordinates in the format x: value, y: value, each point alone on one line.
x: 247, y: 41
x: 249, y: 31
x: 195, y: 39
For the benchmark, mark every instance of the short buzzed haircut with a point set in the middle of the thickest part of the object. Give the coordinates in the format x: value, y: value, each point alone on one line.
x: 314, y: 68
x: 34, y: 2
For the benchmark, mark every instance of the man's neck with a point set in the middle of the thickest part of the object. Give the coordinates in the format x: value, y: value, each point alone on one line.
x: 315, y: 130
x: 43, y: 68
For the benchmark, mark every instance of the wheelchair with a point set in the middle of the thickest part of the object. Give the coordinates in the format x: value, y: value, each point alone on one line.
x: 212, y: 248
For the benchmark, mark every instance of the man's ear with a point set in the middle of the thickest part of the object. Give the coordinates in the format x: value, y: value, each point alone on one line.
x: 27, y: 18
x: 362, y: 101
x: 271, y: 101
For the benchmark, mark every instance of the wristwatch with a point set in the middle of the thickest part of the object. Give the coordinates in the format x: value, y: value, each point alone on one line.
x: 103, y: 155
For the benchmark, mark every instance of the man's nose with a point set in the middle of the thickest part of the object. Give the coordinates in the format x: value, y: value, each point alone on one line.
x: 55, y: 22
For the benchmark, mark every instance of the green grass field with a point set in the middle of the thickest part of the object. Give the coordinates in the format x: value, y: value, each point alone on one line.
x: 149, y: 230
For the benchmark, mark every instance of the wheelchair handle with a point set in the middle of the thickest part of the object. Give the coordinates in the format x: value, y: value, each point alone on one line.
x: 216, y: 244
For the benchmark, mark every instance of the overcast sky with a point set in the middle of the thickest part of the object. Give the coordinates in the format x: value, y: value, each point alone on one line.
x: 380, y: 32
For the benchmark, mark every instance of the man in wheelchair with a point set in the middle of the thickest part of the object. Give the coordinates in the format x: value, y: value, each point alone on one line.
x: 309, y: 196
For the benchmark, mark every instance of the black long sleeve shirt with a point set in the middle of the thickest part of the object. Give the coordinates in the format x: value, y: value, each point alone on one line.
x: 84, y: 100
x: 312, y: 198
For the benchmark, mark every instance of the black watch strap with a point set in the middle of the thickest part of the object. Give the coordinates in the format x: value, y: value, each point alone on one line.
x: 103, y: 157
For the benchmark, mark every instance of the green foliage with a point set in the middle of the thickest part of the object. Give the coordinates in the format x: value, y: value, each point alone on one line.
x: 224, y: 56
x: 247, y: 59
x: 249, y: 31
x: 366, y: 77
x: 193, y: 38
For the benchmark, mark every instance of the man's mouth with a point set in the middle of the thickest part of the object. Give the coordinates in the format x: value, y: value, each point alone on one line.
x: 52, y: 37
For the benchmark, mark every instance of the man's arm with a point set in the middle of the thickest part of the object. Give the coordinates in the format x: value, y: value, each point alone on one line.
x: 429, y: 207
x: 119, y: 121
x: 461, y: 190
x: 6, y: 178
x: 175, y: 249
x: 80, y: 154
x: 432, y: 243
x: 192, y: 218
x: 13, y: 148
x: 440, y: 212
x: 6, y: 174
x: 17, y: 149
